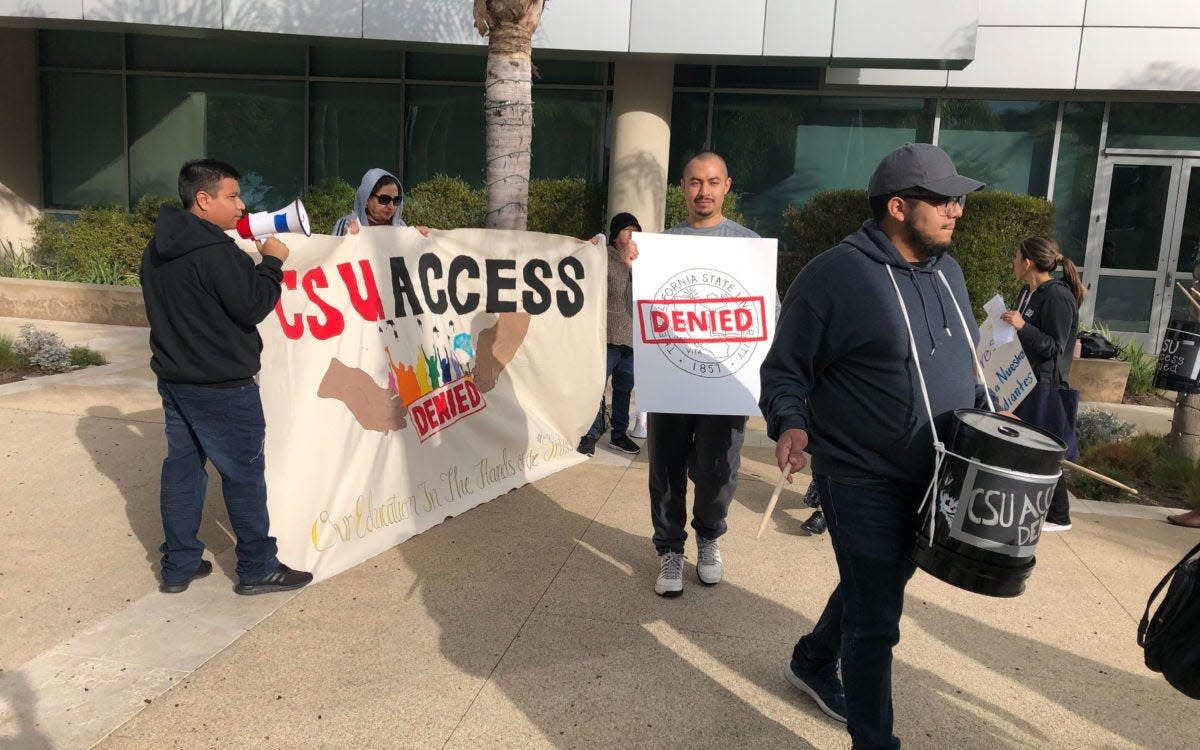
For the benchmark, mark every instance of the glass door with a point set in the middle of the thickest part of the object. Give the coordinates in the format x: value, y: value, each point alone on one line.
x: 1140, y: 246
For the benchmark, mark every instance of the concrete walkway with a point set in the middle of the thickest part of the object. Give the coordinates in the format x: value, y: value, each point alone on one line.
x: 527, y: 622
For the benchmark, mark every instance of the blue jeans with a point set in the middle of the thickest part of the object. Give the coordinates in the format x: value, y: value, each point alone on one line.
x: 226, y: 426
x: 618, y: 364
x: 873, y: 530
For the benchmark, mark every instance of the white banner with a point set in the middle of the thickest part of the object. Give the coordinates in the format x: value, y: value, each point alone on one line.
x: 407, y: 379
x: 1005, y: 367
x: 704, y: 316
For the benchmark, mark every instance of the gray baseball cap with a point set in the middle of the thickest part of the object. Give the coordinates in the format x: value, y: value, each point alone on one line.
x: 919, y: 165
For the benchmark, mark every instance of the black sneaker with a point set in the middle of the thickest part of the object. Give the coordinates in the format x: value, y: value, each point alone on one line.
x: 282, y: 578
x: 203, y: 569
x: 625, y: 445
x: 822, y: 685
x: 587, y: 446
x: 815, y: 524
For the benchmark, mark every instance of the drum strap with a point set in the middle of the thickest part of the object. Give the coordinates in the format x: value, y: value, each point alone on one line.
x: 939, y: 448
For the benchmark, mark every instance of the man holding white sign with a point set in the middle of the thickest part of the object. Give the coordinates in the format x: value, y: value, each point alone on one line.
x: 707, y: 447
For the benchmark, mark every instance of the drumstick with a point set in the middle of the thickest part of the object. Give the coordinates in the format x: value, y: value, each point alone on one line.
x: 1189, y: 294
x: 771, y: 505
x: 1098, y: 475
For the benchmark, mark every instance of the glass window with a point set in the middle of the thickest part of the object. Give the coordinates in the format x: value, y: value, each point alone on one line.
x: 81, y: 49
x: 760, y: 77
x: 570, y: 71
x: 689, y: 130
x: 209, y: 56
x: 428, y: 66
x: 1075, y: 177
x: 1189, y: 238
x: 443, y: 133
x: 783, y: 149
x: 1003, y: 143
x: 85, y: 143
x: 570, y: 127
x: 257, y: 126
x: 357, y: 61
x: 1169, y: 127
x: 1137, y: 212
x: 693, y: 75
x: 1123, y: 303
x: 355, y: 126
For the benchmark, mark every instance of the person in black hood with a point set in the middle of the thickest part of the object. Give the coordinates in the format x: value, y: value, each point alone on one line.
x: 204, y: 298
x: 841, y: 380
x: 1047, y: 321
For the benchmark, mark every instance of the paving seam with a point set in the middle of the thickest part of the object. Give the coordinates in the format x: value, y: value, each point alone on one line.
x: 534, y: 608
x: 4, y: 407
x: 1132, y: 617
x: 683, y: 630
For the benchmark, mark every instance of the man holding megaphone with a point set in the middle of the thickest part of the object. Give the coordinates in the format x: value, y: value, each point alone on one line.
x: 204, y: 299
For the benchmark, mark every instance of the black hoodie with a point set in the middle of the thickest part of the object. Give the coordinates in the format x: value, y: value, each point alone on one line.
x: 1051, y: 325
x: 204, y: 298
x: 841, y: 369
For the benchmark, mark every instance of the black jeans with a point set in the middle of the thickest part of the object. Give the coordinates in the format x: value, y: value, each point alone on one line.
x: 873, y: 529
x: 708, y: 449
x: 226, y: 426
x: 619, y: 364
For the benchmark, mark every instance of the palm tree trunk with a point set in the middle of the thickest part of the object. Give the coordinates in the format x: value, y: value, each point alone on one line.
x: 508, y: 106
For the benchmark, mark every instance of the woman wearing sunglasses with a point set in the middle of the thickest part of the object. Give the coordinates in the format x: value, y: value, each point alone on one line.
x: 379, y: 202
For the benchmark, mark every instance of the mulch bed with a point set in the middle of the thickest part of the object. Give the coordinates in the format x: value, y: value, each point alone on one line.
x: 13, y: 374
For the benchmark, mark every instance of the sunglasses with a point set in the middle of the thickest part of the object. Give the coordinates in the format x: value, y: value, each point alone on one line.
x: 943, y: 203
x: 386, y: 200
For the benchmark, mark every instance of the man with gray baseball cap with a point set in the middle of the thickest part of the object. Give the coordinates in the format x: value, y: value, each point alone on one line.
x: 841, y: 382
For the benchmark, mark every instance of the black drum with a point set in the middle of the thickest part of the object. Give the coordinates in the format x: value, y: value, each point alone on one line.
x: 1179, y: 358
x: 980, y: 531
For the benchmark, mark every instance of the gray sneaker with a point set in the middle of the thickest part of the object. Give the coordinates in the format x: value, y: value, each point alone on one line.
x: 670, y: 574
x: 709, y: 567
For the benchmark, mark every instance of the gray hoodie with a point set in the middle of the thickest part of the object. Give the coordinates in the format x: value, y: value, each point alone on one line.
x: 840, y: 366
x: 342, y: 227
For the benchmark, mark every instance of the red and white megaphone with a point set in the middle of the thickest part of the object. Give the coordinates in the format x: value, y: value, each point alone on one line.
x: 290, y: 218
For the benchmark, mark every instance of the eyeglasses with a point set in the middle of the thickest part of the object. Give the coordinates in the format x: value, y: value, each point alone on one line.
x: 386, y: 200
x: 943, y: 203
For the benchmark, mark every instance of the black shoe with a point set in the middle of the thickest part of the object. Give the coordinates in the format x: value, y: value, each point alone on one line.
x: 282, y: 578
x: 203, y: 569
x: 625, y: 445
x: 822, y: 685
x: 587, y: 446
x: 815, y: 524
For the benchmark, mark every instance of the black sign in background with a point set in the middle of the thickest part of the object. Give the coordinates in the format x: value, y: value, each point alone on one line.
x: 1177, y: 359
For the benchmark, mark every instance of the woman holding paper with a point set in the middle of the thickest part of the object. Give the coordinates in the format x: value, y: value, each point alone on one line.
x: 1046, y: 318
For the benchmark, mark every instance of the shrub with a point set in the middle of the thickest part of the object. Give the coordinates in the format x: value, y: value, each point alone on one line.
x: 328, y: 202
x: 445, y: 202
x: 81, y: 356
x: 8, y: 354
x: 1141, y: 368
x: 567, y: 206
x: 42, y: 349
x: 677, y: 208
x: 1096, y: 426
x: 984, y: 242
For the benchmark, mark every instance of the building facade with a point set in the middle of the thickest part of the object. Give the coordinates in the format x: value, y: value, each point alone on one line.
x: 1093, y: 104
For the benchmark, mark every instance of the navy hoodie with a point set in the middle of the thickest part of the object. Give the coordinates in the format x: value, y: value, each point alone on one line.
x: 204, y: 298
x: 841, y: 369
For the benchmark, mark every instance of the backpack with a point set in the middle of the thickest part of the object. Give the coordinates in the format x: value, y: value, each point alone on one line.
x: 1094, y: 346
x: 1171, y: 638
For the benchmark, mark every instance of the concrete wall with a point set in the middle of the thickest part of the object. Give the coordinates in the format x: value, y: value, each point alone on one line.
x: 82, y: 303
x: 935, y: 33
x: 1098, y: 45
x: 20, y: 144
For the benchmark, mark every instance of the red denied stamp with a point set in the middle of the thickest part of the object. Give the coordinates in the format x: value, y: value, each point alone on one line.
x: 441, y: 408
x: 709, y: 320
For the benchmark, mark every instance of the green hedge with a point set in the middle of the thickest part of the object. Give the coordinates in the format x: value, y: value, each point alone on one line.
x: 984, y: 241
x: 104, y: 244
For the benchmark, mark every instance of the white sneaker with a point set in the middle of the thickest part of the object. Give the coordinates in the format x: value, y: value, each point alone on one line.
x: 639, y: 426
x: 709, y: 567
x: 670, y: 574
x: 1047, y: 526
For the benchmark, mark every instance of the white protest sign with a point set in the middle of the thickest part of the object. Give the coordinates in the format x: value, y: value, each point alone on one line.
x: 1005, y: 367
x: 704, y: 316
x: 1002, y: 331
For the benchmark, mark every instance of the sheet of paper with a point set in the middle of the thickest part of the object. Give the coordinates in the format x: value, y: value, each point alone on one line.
x: 1002, y: 332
